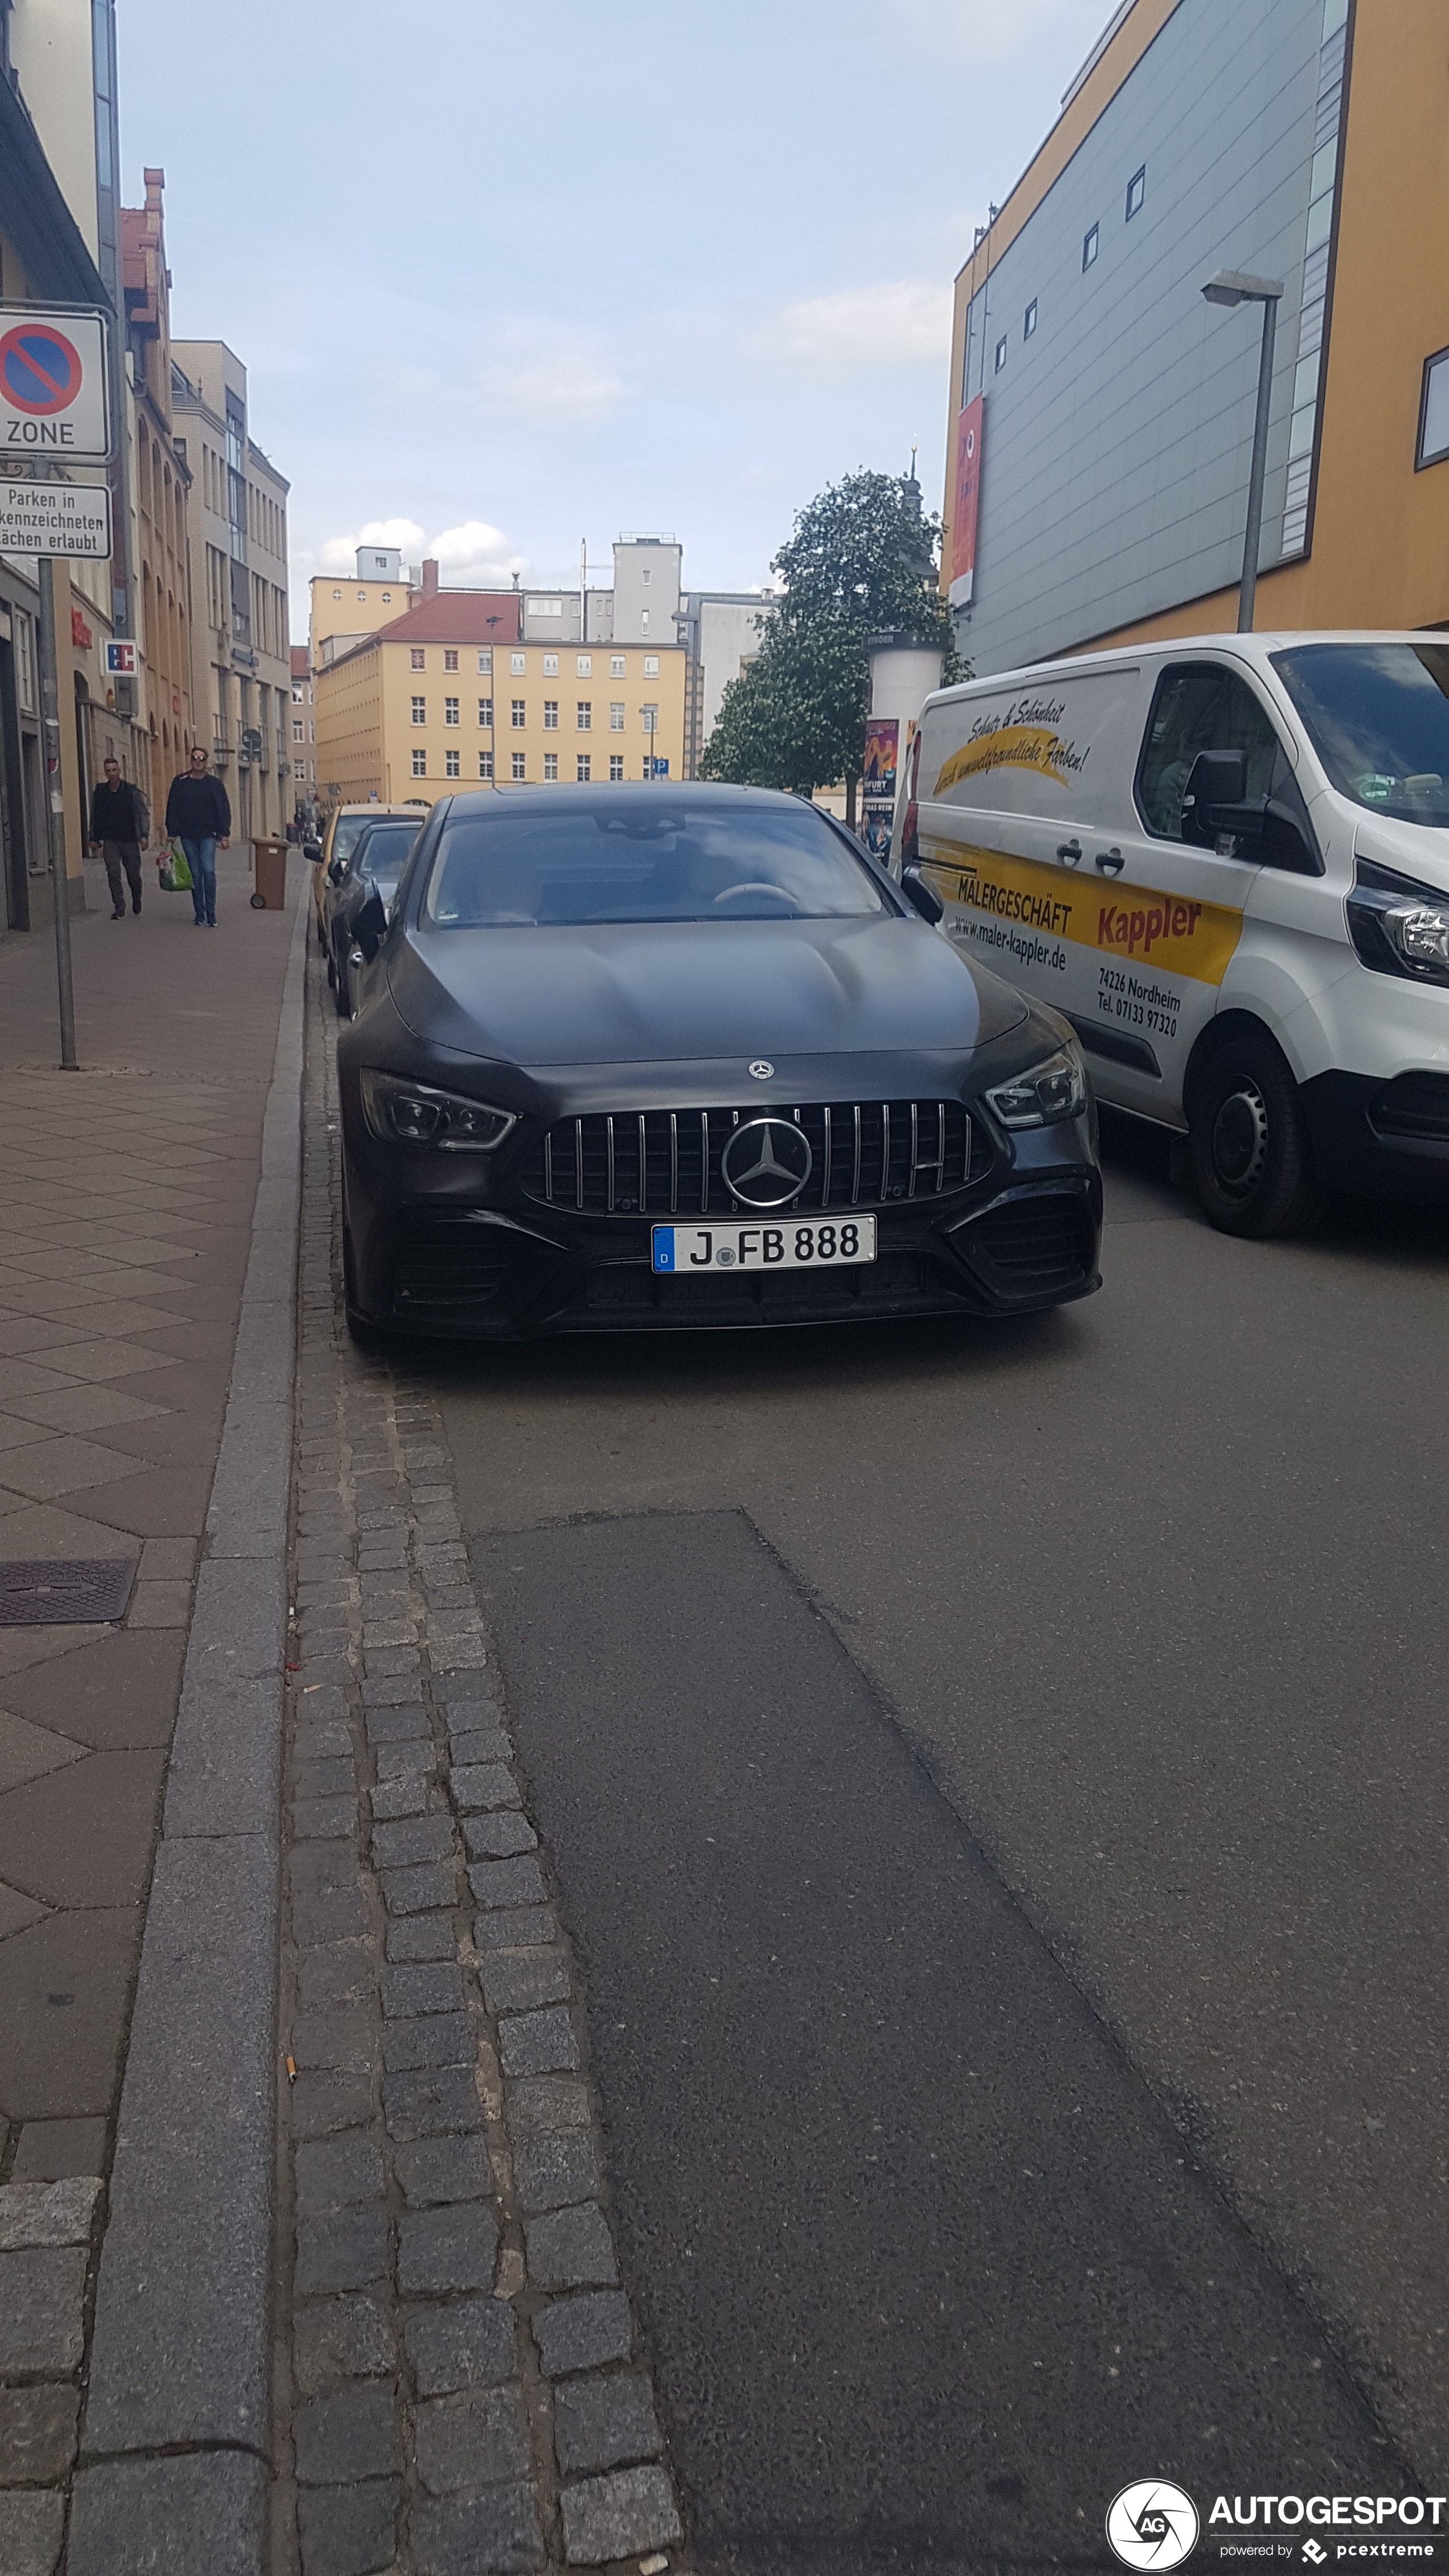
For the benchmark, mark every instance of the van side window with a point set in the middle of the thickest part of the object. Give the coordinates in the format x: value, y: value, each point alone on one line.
x: 1200, y: 707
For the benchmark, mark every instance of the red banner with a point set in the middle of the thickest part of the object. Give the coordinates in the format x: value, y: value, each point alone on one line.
x: 965, y: 498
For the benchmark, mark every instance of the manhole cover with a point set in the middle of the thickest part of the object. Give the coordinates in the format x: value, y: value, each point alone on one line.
x: 53, y: 1592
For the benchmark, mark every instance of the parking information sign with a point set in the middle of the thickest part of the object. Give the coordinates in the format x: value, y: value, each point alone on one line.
x: 53, y: 403
x: 68, y: 519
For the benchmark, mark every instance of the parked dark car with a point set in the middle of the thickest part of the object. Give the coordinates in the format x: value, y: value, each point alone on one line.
x: 661, y: 1057
x: 373, y: 866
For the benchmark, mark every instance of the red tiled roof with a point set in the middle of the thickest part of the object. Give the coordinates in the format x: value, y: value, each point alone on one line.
x: 458, y: 617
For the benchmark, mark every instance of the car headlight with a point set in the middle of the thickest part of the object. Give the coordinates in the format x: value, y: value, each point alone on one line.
x: 411, y: 1113
x: 1398, y: 926
x: 1420, y: 933
x: 1050, y: 1092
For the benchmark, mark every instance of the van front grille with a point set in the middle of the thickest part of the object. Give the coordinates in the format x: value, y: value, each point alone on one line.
x: 666, y: 1162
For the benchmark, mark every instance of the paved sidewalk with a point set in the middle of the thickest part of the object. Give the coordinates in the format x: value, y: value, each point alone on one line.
x: 460, y: 2388
x: 126, y: 1201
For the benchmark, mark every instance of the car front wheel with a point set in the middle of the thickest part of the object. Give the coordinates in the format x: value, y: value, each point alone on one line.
x: 1252, y: 1165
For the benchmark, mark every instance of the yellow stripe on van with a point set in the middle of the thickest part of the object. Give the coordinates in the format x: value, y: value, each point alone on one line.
x: 1163, y: 930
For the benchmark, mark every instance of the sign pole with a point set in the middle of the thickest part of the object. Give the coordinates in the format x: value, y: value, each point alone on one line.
x: 55, y: 810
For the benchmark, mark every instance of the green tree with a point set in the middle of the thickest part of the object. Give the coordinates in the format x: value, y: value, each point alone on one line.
x: 860, y: 565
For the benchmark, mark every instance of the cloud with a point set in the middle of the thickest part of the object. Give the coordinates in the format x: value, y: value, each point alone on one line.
x: 838, y: 335
x: 995, y: 31
x: 337, y: 554
x: 545, y: 377
x: 477, y: 549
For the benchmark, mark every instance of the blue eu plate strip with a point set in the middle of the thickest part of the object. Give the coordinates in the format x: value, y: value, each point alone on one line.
x: 664, y: 1247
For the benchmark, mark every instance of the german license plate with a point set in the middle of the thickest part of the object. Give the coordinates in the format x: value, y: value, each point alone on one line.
x: 794, y: 1243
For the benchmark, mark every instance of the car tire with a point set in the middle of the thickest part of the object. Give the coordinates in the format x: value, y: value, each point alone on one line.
x: 1248, y: 1145
x: 331, y: 970
x: 321, y: 932
x: 341, y: 991
x: 365, y: 1336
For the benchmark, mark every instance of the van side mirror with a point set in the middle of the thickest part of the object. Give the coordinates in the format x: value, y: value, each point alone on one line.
x: 1217, y: 779
x: 370, y: 928
x: 924, y: 897
x: 312, y: 850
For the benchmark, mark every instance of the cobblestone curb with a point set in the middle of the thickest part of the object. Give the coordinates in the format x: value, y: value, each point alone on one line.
x: 461, y: 2386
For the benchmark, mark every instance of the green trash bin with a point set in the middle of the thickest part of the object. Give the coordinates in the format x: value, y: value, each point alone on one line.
x: 269, y: 868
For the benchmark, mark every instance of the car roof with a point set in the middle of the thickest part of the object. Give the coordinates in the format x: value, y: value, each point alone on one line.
x: 615, y: 795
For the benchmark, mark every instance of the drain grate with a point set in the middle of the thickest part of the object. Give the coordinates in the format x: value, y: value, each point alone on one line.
x: 54, y: 1592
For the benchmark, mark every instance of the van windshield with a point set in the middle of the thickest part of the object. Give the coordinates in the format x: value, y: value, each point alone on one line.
x: 1378, y: 717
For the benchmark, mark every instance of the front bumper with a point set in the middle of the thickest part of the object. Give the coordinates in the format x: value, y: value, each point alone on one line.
x: 1382, y: 1140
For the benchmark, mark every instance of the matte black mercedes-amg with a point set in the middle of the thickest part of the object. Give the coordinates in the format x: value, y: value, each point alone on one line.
x: 660, y: 1056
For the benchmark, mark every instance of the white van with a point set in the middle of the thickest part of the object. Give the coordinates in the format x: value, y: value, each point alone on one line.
x: 1226, y: 862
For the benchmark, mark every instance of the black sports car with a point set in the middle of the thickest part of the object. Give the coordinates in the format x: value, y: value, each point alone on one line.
x: 666, y: 1056
x: 373, y: 865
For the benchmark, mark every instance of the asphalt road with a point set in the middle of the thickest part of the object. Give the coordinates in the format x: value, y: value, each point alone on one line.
x: 997, y: 1783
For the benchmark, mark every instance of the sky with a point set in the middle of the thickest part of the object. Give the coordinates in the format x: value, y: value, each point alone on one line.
x: 511, y: 279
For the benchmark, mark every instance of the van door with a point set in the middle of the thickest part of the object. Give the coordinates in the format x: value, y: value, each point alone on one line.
x: 1012, y: 783
x: 1169, y: 913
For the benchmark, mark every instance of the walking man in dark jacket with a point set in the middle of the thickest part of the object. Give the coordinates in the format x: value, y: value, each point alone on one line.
x: 120, y: 829
x: 199, y: 817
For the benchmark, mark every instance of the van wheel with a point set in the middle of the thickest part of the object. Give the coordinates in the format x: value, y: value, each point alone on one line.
x: 1252, y: 1167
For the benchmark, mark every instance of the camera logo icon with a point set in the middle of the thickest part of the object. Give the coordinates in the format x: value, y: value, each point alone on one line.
x: 1152, y: 2524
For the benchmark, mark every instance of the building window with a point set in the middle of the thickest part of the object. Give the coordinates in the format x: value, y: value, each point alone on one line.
x: 450, y: 660
x: 1136, y: 191
x: 485, y: 662
x: 582, y: 767
x: 519, y: 766
x: 651, y: 666
x: 1028, y: 320
x: 1090, y: 243
x: 550, y: 715
x: 616, y: 666
x: 586, y: 666
x: 485, y: 714
x: 418, y: 658
x: 646, y: 575
x: 519, y: 718
x: 451, y: 768
x: 585, y: 714
x: 644, y: 617
x: 450, y: 711
x: 387, y: 599
x: 485, y: 764
x: 297, y: 729
x: 1000, y: 353
x: 420, y: 763
x: 337, y: 594
x: 616, y: 716
x: 520, y: 663
x: 550, y: 666
x: 420, y: 711
x: 1434, y: 411
x: 550, y: 768
x: 616, y: 764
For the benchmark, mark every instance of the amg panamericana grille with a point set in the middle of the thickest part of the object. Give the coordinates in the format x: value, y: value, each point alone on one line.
x: 666, y: 1162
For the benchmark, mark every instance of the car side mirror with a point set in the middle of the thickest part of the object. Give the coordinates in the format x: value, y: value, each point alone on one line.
x: 924, y: 897
x: 370, y: 928
x: 312, y: 850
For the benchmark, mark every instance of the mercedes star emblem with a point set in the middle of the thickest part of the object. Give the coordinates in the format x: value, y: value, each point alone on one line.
x: 761, y: 1070
x: 767, y: 1163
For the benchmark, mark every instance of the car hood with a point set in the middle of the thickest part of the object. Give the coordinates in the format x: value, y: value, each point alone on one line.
x: 632, y: 993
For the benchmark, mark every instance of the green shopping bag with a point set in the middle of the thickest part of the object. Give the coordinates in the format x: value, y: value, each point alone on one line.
x: 175, y: 874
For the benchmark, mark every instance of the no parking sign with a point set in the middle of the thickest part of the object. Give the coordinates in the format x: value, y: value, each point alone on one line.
x: 53, y: 393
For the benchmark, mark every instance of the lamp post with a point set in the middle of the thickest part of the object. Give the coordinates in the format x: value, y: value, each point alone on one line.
x: 1231, y: 287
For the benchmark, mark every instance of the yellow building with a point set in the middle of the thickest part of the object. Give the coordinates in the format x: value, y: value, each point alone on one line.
x: 1102, y: 413
x: 446, y: 697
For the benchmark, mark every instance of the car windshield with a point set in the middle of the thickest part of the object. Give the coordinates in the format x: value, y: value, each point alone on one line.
x: 383, y: 855
x: 648, y: 857
x: 1378, y: 718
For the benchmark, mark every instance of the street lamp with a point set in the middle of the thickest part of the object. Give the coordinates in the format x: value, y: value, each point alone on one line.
x: 1231, y: 287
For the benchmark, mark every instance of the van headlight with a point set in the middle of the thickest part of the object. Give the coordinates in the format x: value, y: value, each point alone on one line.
x: 412, y: 1113
x: 1397, y: 926
x: 1051, y: 1091
x: 1420, y: 933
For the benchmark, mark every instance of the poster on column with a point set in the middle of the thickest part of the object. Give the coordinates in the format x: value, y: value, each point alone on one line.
x: 965, y: 501
x: 878, y: 783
